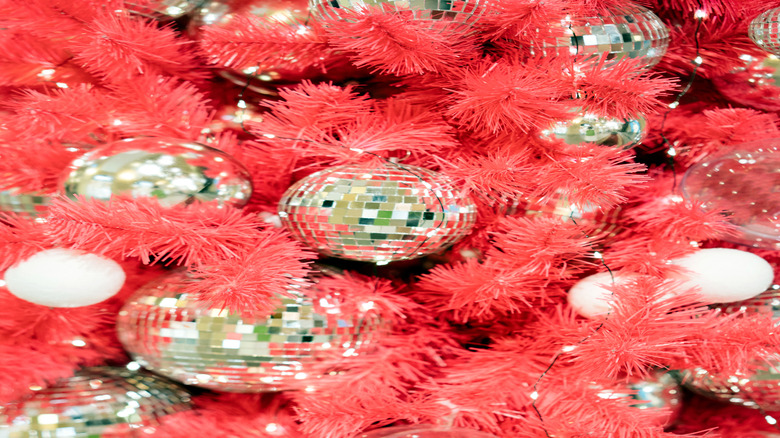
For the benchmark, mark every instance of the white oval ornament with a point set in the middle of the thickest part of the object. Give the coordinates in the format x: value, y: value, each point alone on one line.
x: 65, y: 278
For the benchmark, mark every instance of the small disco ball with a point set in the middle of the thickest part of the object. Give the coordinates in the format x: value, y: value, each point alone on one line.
x: 162, y: 9
x: 102, y: 401
x: 743, y: 183
x: 625, y: 31
x: 170, y: 170
x: 660, y: 390
x: 172, y: 333
x: 764, y: 30
x: 587, y: 128
x: 16, y: 201
x: 450, y: 15
x: 424, y: 431
x: 757, y: 387
x: 376, y: 214
x: 597, y: 220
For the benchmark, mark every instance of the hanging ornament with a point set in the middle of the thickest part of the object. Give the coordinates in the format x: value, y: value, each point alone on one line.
x: 258, y: 77
x: 232, y: 116
x: 448, y: 15
x: 599, y: 221
x: 424, y: 431
x: 162, y: 10
x: 756, y: 387
x: 745, y: 183
x: 764, y: 30
x: 171, y: 333
x: 95, y: 402
x: 172, y: 171
x: 624, y: 31
x: 659, y: 390
x: 16, y: 201
x: 379, y: 214
x: 588, y: 128
x: 725, y: 275
x: 63, y: 277
x: 756, y: 85
x: 590, y: 297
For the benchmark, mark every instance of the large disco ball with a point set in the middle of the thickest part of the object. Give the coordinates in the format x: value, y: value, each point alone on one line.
x: 450, y: 15
x: 620, y: 32
x: 381, y: 214
x: 172, y: 333
x: 95, y: 402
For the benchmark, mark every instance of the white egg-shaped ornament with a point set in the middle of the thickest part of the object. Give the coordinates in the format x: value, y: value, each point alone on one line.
x: 62, y: 277
x: 591, y: 296
x: 725, y: 275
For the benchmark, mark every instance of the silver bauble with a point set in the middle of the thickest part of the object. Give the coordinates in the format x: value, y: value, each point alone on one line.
x: 172, y: 171
x: 588, y: 128
x: 172, y: 333
x: 16, y: 201
x: 103, y: 401
x: 161, y: 9
x: 377, y: 214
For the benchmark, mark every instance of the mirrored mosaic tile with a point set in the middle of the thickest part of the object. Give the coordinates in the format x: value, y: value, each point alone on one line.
x: 379, y: 215
x: 15, y: 201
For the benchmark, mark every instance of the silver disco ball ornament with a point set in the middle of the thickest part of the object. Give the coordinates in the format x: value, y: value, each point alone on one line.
x: 381, y: 214
x: 625, y: 31
x: 171, y: 333
x: 764, y: 30
x: 424, y: 431
x: 170, y: 170
x: 450, y: 15
x: 95, y: 402
x: 162, y: 9
x: 744, y: 183
x: 756, y: 387
x: 588, y: 128
x: 659, y: 390
x: 16, y: 201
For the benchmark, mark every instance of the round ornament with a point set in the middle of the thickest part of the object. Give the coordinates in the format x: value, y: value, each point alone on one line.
x: 746, y: 185
x: 725, y: 275
x: 63, y: 277
x: 424, y: 431
x: 593, y: 129
x: 756, y: 85
x: 380, y: 214
x: 764, y: 30
x: 660, y: 390
x: 16, y: 201
x: 624, y: 31
x: 105, y: 402
x: 172, y: 171
x: 162, y: 9
x: 172, y: 333
x: 458, y: 15
x: 756, y: 387
x: 590, y: 297
x: 262, y: 77
x: 598, y: 221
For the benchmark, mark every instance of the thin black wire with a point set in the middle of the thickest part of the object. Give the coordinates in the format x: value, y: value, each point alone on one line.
x: 677, y: 100
x: 580, y: 342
